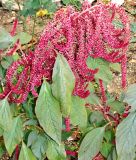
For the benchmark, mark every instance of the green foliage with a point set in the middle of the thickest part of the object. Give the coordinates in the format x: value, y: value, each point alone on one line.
x: 79, y: 118
x: 133, y: 27
x: 96, y: 117
x: 75, y: 3
x: 38, y: 143
x: 5, y: 115
x: 125, y: 138
x: 26, y: 153
x: 5, y: 39
x: 130, y: 97
x: 63, y: 84
x: 116, y: 106
x: 106, y: 149
x: 15, y: 135
x: 91, y: 144
x: 48, y: 113
x: 6, y: 62
x: 104, y: 72
x: 23, y: 37
x: 55, y: 151
x: 32, y: 6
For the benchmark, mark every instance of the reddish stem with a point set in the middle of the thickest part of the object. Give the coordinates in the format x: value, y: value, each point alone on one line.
x: 124, y: 71
x: 67, y: 124
x: 13, y: 30
x: 102, y: 91
x: 71, y: 153
x: 17, y: 152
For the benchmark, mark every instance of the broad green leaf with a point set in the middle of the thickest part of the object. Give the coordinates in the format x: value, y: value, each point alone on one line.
x: 38, y: 144
x: 133, y: 39
x: 125, y: 138
x: 14, y: 136
x: 48, y: 113
x: 26, y: 153
x: 115, y: 67
x: 93, y: 99
x: 63, y: 84
x: 106, y: 149
x: 1, y: 131
x: 66, y: 2
x: 39, y: 147
x: 130, y: 96
x: 104, y: 72
x: 32, y: 138
x: 117, y: 106
x: 55, y: 151
x: 23, y: 37
x: 15, y: 56
x: 6, y: 62
x: 109, y: 135
x: 5, y: 39
x: 117, y: 24
x: 78, y: 118
x: 96, y: 117
x: 5, y: 115
x: 2, y: 75
x: 49, y: 5
x: 31, y: 122
x: 2, y: 149
x: 91, y: 144
x: 133, y: 27
x: 113, y: 155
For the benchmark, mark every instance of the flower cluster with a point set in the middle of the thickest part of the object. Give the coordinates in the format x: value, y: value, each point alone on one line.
x: 77, y: 35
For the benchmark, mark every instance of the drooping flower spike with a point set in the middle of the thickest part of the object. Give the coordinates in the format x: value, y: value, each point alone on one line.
x: 77, y: 35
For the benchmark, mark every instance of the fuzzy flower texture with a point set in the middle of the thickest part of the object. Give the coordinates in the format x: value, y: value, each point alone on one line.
x: 77, y: 35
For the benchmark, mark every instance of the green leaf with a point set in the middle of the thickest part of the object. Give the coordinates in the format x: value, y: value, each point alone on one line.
x: 1, y: 150
x: 32, y: 138
x: 38, y: 144
x: 15, y: 56
x: 23, y: 37
x: 133, y: 39
x: 15, y: 135
x: 130, y: 97
x: 115, y: 67
x: 125, y: 138
x: 49, y: 5
x: 116, y: 106
x: 66, y: 2
x: 133, y: 27
x: 63, y: 84
x: 5, y: 115
x: 39, y: 147
x: 26, y: 153
x: 78, y: 118
x: 106, y: 149
x: 104, y: 72
x: 55, y: 151
x: 113, y: 155
x: 91, y: 144
x: 6, y: 62
x: 96, y: 117
x: 5, y: 39
x: 93, y: 99
x: 109, y: 135
x: 48, y: 113
x: 117, y: 24
x: 1, y: 131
